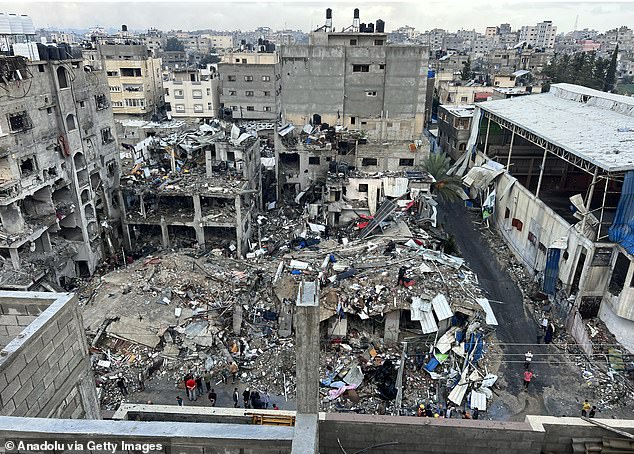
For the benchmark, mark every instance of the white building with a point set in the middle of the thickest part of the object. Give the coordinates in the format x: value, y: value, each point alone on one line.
x: 540, y: 35
x: 192, y: 93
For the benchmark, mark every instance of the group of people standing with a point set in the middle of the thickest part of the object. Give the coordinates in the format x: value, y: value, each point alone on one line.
x: 253, y: 399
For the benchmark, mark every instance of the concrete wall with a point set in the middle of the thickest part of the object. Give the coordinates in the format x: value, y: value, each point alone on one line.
x: 188, y: 105
x: 234, y: 92
x: 173, y: 437
x: 428, y: 435
x: 46, y: 373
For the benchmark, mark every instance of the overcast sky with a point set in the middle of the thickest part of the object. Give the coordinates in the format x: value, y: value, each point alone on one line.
x: 307, y: 15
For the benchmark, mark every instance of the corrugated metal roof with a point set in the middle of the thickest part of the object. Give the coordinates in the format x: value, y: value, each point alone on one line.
x: 441, y: 307
x: 490, y: 316
x: 428, y: 323
x: 478, y: 400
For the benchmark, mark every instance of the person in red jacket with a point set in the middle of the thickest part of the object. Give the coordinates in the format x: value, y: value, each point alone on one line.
x: 190, y: 384
x: 528, y: 375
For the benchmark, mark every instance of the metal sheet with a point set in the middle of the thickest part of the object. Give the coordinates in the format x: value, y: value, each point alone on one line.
x: 622, y: 231
x: 428, y: 323
x: 478, y: 400
x: 441, y: 307
x: 490, y: 316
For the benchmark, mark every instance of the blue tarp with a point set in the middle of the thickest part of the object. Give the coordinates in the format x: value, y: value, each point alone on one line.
x: 622, y: 230
x: 431, y: 365
x: 477, y: 355
x: 552, y: 270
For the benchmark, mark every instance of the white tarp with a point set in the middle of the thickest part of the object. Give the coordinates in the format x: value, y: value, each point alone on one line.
x: 268, y: 163
x: 457, y: 393
x: 478, y: 400
x: 490, y: 316
x: 395, y: 187
x: 446, y: 341
x: 441, y: 307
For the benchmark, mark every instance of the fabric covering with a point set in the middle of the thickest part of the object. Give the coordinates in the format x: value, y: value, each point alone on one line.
x: 622, y: 229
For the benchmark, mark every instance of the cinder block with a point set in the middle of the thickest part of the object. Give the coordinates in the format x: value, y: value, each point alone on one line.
x: 8, y: 320
x: 23, y: 392
x: 13, y: 331
x: 35, y: 347
x: 44, y: 354
x: 22, y: 409
x: 7, y: 408
x: 29, y: 371
x: 25, y: 320
x: 9, y: 391
x: 49, y: 333
x: 14, y: 367
x: 14, y: 309
x: 60, y: 337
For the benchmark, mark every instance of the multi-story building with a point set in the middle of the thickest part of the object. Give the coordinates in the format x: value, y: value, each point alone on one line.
x: 219, y: 42
x: 357, y: 80
x: 154, y: 41
x: 134, y: 78
x: 540, y: 35
x: 192, y: 93
x: 15, y: 29
x: 58, y: 170
x: 250, y: 84
x: 454, y: 124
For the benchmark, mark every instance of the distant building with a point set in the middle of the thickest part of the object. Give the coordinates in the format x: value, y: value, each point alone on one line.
x: 134, y: 78
x: 250, y: 85
x: 540, y: 35
x: 454, y: 124
x: 192, y: 93
x: 219, y: 42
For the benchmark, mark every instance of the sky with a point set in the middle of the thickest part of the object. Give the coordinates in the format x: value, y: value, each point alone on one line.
x: 307, y: 15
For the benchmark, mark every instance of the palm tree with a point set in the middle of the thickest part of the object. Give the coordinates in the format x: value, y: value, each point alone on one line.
x: 447, y: 187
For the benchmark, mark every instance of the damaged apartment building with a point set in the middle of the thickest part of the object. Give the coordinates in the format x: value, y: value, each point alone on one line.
x: 350, y: 100
x: 558, y: 167
x: 198, y: 187
x: 58, y: 169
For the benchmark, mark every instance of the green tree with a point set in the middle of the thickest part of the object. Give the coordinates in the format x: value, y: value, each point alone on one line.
x: 466, y: 73
x: 209, y: 59
x: 447, y: 187
x: 174, y: 44
x: 610, y: 75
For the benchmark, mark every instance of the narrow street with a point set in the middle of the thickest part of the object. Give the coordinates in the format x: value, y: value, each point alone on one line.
x: 554, y: 372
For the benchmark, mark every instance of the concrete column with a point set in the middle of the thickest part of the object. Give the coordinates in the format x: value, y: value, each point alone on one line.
x: 124, y: 212
x: 15, y: 258
x: 142, y: 206
x: 237, y: 318
x: 508, y: 160
x: 165, y: 237
x: 127, y: 240
x: 541, y: 173
x: 486, y: 138
x: 307, y: 348
x: 306, y: 437
x: 209, y: 159
x: 392, y: 326
x: 588, y: 201
x: 198, y: 227
x: 238, y: 206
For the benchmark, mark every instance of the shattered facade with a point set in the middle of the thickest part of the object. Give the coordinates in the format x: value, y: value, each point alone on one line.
x: 59, y: 169
x: 198, y: 187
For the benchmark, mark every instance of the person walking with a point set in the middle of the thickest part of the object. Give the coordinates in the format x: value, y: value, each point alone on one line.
x: 141, y: 380
x: 544, y: 324
x: 585, y: 408
x: 179, y: 401
x: 199, y: 385
x: 593, y: 411
x: 233, y: 370
x: 246, y: 397
x: 235, y: 397
x: 190, y: 384
x: 212, y: 397
x: 207, y: 380
x: 121, y: 384
x: 265, y: 399
x: 528, y: 357
x: 528, y: 376
x: 475, y: 414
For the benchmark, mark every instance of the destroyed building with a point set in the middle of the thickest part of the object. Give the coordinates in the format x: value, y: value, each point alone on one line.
x: 60, y: 168
x: 199, y: 187
x: 555, y: 171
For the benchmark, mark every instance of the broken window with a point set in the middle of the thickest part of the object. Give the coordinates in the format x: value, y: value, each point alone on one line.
x: 369, y: 162
x: 70, y: 122
x: 131, y: 72
x: 101, y: 101
x: 360, y: 68
x: 19, y: 121
x: 267, y: 109
x: 232, y: 92
x: 40, y: 68
x: 250, y: 108
x: 248, y: 93
x: 27, y: 166
x: 248, y: 78
x: 314, y: 160
x: 267, y: 93
x: 619, y: 274
x: 381, y: 66
x: 62, y: 78
x: 353, y: 42
x: 370, y: 93
x: 197, y: 94
x: 363, y: 187
x: 406, y: 162
x: 378, y: 42
x: 112, y: 73
x: 266, y: 78
x: 231, y: 78
x: 106, y: 136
